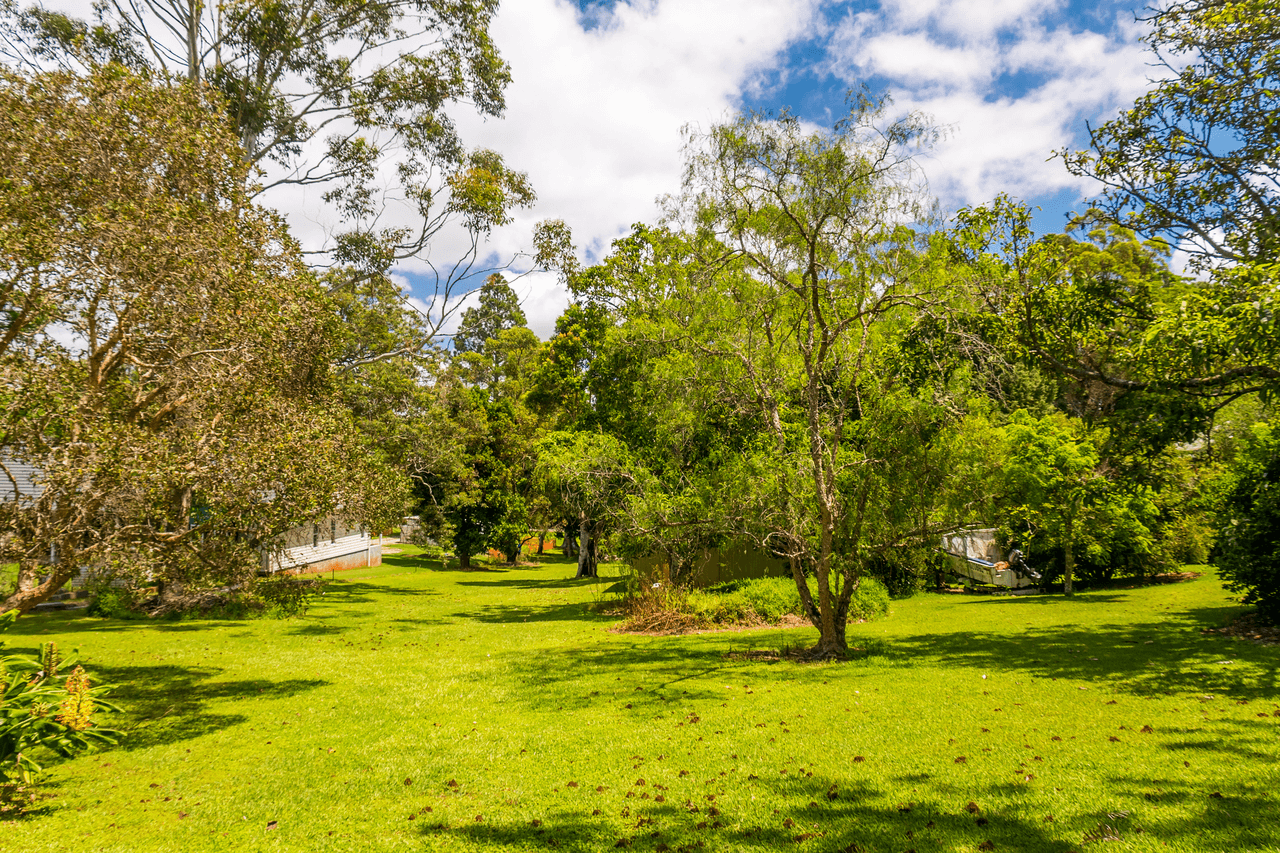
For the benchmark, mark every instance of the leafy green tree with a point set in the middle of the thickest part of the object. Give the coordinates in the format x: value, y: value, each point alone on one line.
x: 808, y: 272
x: 489, y: 498
x: 1194, y: 162
x: 498, y: 309
x: 1249, y: 534
x: 1051, y: 483
x: 592, y: 474
x: 352, y: 98
x: 166, y: 356
x: 1193, y: 159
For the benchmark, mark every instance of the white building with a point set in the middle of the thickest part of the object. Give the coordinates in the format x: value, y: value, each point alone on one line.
x: 328, y: 545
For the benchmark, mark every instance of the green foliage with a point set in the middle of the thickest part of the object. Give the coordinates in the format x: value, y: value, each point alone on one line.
x: 44, y: 709
x: 905, y: 571
x: 769, y: 600
x: 488, y: 498
x: 498, y: 309
x: 1055, y: 497
x: 286, y: 596
x: 1194, y: 158
x: 1249, y: 531
x: 289, y: 74
x: 157, y: 441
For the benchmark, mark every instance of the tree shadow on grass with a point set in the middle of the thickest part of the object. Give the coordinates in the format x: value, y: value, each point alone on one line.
x: 821, y: 813
x: 501, y: 614
x: 166, y: 704
x: 651, y: 675
x: 539, y: 583
x: 1143, y: 660
x: 1044, y: 599
x: 805, y: 814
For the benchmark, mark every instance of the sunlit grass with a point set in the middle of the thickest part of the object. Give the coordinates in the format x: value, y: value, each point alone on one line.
x: 416, y: 708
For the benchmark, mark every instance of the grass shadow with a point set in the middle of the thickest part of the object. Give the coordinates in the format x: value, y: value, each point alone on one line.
x: 1144, y: 659
x: 167, y: 704
x: 808, y: 813
x: 501, y: 614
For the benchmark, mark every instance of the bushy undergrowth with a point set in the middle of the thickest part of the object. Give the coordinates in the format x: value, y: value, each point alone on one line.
x: 753, y: 601
x: 278, y: 596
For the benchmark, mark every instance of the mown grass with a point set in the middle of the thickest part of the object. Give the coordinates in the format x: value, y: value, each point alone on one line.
x: 424, y: 709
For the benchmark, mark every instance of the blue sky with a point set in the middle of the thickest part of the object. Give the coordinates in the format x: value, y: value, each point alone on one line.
x: 601, y: 90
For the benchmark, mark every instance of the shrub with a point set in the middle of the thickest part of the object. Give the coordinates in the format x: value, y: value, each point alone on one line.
x: 754, y: 601
x: 113, y: 602
x: 1249, y: 532
x: 42, y: 712
x: 870, y: 600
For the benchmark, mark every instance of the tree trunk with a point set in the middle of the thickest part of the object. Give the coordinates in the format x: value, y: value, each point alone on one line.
x: 570, y: 546
x: 27, y: 593
x: 809, y: 609
x: 464, y: 559
x: 587, y: 567
x: 542, y: 538
x: 1068, y: 561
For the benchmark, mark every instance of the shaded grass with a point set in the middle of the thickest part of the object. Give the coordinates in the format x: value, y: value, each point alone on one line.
x: 347, y: 726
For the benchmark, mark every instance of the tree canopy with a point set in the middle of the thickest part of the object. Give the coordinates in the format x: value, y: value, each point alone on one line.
x: 166, y: 352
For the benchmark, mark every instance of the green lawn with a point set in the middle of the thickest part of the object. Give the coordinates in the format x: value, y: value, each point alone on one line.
x: 415, y: 708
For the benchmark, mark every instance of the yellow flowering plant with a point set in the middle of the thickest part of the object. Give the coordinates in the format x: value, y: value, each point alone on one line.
x: 41, y: 712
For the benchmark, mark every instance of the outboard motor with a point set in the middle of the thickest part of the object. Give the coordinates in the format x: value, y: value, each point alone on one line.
x: 1019, y: 566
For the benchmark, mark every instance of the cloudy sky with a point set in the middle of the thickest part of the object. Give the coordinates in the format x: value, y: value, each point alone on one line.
x: 602, y: 89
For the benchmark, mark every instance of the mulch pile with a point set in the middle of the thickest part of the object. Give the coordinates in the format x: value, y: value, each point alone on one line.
x: 1247, y: 627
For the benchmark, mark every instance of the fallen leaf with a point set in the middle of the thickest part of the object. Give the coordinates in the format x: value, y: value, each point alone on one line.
x: 408, y: 781
x: 972, y: 807
x: 986, y: 845
x: 271, y: 824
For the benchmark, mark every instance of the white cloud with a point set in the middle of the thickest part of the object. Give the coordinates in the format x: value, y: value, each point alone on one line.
x: 594, y: 116
x: 954, y: 60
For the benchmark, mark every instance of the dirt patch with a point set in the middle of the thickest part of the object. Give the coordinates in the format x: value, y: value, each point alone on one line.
x: 1248, y: 627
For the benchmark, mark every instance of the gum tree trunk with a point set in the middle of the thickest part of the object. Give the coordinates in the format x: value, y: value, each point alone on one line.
x: 587, y: 562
